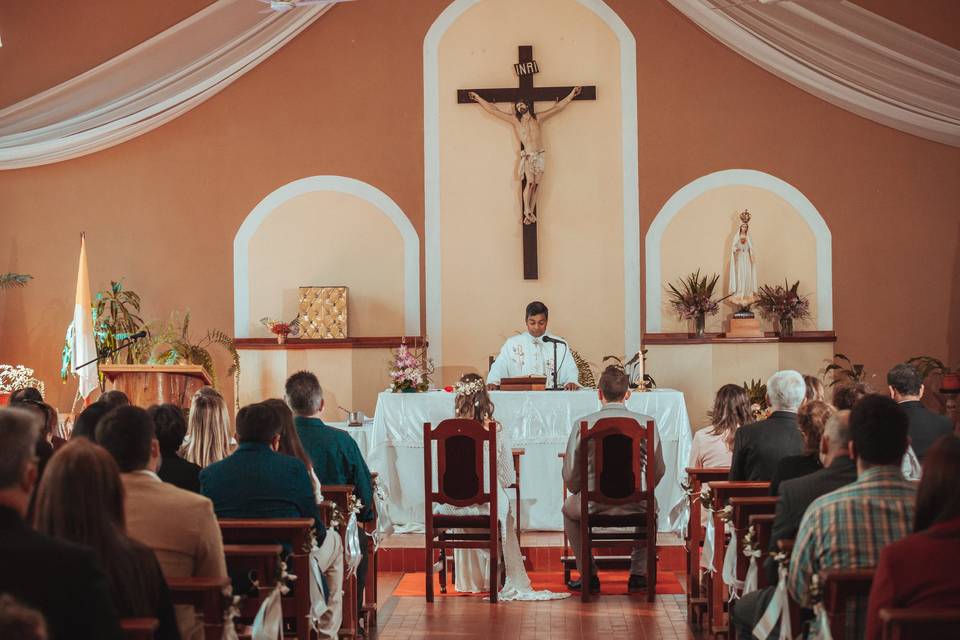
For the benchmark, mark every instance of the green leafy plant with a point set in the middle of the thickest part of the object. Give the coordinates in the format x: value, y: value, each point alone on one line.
x: 116, y: 317
x: 693, y: 295
x: 928, y: 366
x: 843, y: 371
x: 757, y: 393
x: 11, y: 280
x: 172, y: 344
x: 783, y: 301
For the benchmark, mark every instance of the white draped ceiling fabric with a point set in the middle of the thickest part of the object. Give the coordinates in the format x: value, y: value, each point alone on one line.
x: 845, y: 55
x: 148, y: 85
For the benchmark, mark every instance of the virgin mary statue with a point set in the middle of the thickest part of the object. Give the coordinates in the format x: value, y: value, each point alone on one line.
x: 743, y: 267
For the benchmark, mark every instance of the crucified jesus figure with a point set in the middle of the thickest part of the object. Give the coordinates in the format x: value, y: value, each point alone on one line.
x: 526, y: 126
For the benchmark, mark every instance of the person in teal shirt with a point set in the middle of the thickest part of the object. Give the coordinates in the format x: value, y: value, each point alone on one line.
x: 335, y: 455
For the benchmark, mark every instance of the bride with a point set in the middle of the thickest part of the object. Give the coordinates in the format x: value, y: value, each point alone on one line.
x: 472, y: 565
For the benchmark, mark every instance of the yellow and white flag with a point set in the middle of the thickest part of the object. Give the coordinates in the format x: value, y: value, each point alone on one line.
x: 84, y: 347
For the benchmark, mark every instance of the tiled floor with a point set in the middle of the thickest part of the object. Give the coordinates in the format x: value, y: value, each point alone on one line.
x: 410, y: 618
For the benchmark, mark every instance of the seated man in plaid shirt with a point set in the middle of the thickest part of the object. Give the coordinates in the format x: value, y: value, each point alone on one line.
x: 846, y: 529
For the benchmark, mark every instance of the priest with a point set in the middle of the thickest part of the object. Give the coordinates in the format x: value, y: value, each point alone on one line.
x: 531, y: 354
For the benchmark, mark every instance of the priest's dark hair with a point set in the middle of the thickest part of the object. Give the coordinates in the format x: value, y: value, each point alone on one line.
x: 937, y: 497
x: 614, y: 383
x: 905, y: 380
x: 257, y: 423
x: 304, y: 393
x: 878, y: 427
x: 127, y: 433
x: 535, y: 308
x: 170, y: 426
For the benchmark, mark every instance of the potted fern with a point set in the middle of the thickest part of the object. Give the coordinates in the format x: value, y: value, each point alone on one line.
x: 843, y: 371
x: 174, y: 345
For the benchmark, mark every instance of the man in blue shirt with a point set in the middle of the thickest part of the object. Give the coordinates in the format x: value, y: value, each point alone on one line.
x: 335, y: 455
x: 257, y: 482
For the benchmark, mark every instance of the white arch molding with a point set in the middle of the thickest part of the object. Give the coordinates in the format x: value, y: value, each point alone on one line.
x: 340, y: 184
x: 630, y: 176
x: 747, y: 178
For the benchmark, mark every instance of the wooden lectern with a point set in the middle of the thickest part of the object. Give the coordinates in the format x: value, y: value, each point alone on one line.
x: 147, y: 384
x: 526, y: 383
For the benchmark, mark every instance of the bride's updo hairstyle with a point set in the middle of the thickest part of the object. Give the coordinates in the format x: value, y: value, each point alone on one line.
x: 473, y: 401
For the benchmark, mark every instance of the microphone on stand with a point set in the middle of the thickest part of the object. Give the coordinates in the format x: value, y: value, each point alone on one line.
x: 137, y: 335
x: 547, y: 338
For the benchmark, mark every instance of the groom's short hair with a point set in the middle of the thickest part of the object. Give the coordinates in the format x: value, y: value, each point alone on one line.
x: 614, y: 383
x: 535, y: 308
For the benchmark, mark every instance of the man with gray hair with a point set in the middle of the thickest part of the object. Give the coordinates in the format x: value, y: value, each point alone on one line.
x: 795, y: 495
x: 61, y: 580
x: 758, y: 447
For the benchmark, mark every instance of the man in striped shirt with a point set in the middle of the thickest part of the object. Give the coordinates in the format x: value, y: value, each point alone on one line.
x: 846, y: 529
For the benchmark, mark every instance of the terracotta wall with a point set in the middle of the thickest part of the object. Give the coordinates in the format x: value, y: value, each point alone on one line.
x: 345, y: 98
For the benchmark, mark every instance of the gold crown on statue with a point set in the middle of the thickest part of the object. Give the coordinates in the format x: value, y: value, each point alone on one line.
x: 745, y: 217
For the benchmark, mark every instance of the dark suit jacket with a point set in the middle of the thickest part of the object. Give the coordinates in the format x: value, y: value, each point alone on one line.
x: 921, y: 570
x: 760, y: 446
x: 257, y: 482
x: 797, y: 494
x: 180, y: 473
x: 926, y: 427
x: 794, y: 467
x: 62, y: 580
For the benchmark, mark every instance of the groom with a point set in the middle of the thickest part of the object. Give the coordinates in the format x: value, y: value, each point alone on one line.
x: 614, y: 392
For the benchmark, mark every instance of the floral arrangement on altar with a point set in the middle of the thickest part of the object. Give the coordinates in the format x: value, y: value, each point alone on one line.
x: 410, y: 370
x: 757, y: 392
x: 13, y: 378
x: 282, y: 329
x: 692, y: 298
x: 784, y: 303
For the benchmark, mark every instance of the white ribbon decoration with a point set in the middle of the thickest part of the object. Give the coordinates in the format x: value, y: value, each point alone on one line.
x: 708, y: 538
x: 229, y: 626
x: 352, y: 544
x: 268, y: 625
x: 777, y: 611
x: 820, y: 630
x: 753, y: 570
x: 729, y: 572
x: 318, y: 604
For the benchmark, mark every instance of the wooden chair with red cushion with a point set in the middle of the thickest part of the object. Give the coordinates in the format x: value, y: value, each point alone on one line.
x: 461, y: 481
x: 622, y: 450
x: 917, y: 623
x: 841, y: 587
x: 697, y: 477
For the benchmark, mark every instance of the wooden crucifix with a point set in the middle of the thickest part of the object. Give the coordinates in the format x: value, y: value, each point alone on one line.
x: 526, y: 124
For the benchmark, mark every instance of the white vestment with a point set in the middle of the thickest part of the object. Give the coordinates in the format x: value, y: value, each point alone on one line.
x: 524, y: 355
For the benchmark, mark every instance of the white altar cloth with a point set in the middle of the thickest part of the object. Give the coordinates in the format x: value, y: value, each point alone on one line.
x: 537, y: 421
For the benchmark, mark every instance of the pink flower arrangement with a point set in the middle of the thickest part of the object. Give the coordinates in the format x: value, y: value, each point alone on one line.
x: 410, y: 370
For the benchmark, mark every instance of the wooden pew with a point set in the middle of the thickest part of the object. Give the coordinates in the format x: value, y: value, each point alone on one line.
x: 369, y: 609
x: 918, y: 624
x: 841, y: 586
x: 762, y: 525
x: 139, y: 628
x: 340, y: 494
x: 294, y: 533
x: 208, y: 596
x: 743, y: 509
x: 721, y: 492
x: 696, y: 478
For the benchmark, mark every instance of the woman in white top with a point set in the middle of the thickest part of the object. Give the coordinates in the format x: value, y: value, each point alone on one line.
x: 472, y: 565
x: 713, y: 445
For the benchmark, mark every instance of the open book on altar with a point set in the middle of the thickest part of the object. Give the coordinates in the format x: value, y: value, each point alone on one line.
x: 524, y: 383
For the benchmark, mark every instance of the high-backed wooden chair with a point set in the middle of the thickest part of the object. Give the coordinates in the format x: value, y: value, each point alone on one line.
x: 918, y: 623
x: 461, y: 483
x: 339, y: 495
x: 292, y: 533
x: 697, y: 477
x: 622, y: 450
x: 717, y: 601
x: 762, y: 525
x: 840, y: 587
x: 139, y: 628
x: 208, y: 596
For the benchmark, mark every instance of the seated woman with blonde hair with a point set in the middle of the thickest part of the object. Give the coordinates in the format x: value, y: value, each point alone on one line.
x: 472, y: 565
x: 209, y: 433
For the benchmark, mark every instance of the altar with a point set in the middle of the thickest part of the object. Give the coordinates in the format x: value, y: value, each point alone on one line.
x: 538, y: 421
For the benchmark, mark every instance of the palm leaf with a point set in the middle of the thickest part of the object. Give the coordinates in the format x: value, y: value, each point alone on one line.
x: 11, y: 280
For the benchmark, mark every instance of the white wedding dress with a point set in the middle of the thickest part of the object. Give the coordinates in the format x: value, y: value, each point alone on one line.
x: 472, y: 566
